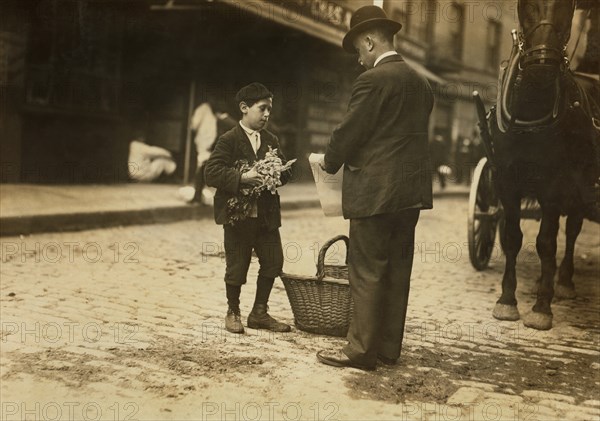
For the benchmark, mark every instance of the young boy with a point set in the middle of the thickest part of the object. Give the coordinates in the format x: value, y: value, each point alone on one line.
x: 260, y: 232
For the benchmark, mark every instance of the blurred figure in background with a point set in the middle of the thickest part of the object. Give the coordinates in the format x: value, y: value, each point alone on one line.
x: 207, y: 125
x: 149, y: 163
x: 439, y: 158
x: 464, y: 151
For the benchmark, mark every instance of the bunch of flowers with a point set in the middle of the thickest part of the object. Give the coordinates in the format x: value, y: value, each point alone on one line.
x: 270, y: 169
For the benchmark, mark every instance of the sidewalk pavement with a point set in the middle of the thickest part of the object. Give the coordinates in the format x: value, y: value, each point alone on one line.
x: 28, y: 208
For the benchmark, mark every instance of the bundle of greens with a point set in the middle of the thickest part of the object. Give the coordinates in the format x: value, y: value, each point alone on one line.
x: 270, y: 169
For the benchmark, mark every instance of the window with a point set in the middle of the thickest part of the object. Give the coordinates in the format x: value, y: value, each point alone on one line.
x: 399, y: 15
x: 417, y: 12
x: 413, y: 15
x: 74, y: 56
x: 455, y: 18
x: 494, y: 33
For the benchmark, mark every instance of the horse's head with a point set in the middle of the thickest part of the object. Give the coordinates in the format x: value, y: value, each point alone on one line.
x: 545, y: 31
x: 546, y: 26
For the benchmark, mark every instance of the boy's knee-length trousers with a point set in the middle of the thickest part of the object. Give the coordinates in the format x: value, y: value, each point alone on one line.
x: 240, y: 240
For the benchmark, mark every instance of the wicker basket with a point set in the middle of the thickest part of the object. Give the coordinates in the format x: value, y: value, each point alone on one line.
x: 321, y: 304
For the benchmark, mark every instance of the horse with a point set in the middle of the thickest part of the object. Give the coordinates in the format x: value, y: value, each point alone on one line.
x: 543, y: 144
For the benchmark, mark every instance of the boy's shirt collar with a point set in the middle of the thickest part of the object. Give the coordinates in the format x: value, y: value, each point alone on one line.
x: 253, y: 137
x: 248, y: 130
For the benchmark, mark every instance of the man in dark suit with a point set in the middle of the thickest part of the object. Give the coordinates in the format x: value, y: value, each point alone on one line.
x: 382, y: 142
x: 248, y: 141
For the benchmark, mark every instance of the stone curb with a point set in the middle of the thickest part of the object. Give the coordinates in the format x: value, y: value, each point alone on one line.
x: 79, y: 221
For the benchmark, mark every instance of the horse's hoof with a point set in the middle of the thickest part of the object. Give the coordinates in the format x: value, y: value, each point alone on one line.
x: 539, y: 321
x: 565, y: 292
x: 506, y: 312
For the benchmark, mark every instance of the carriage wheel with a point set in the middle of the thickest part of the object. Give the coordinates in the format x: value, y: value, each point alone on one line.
x: 484, y: 213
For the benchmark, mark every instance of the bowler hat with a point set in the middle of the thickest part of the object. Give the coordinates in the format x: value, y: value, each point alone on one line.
x: 368, y: 17
x: 253, y: 93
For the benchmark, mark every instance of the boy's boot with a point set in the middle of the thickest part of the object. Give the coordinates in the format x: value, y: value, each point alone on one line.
x: 260, y: 319
x: 233, y: 321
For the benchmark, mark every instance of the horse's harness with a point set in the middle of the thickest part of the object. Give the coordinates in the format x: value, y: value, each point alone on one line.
x: 541, y: 53
x: 568, y: 95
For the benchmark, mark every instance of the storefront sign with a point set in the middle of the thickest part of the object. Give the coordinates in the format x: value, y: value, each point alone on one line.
x: 323, y: 11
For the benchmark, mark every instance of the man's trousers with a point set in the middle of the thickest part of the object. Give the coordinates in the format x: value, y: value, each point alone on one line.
x: 380, y: 264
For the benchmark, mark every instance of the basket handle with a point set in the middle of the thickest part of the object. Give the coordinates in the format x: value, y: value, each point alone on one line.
x: 323, y: 252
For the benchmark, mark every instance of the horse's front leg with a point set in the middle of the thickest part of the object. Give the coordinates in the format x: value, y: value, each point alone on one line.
x: 506, y: 306
x: 541, y: 317
x: 565, y: 287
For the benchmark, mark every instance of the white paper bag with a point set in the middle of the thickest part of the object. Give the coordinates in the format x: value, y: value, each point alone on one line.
x: 329, y: 186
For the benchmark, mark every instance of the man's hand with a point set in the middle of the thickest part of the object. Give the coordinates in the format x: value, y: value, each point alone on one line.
x: 251, y: 178
x: 322, y: 164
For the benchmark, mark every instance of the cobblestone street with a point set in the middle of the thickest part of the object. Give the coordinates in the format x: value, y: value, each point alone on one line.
x: 127, y: 323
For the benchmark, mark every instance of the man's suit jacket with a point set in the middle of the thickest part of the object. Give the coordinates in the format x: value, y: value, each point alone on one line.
x: 383, y: 142
x: 220, y: 173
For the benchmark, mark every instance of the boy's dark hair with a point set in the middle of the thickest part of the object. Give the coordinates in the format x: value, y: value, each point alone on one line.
x: 251, y: 94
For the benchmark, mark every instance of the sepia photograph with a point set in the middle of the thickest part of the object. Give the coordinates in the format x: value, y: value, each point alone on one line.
x: 265, y: 210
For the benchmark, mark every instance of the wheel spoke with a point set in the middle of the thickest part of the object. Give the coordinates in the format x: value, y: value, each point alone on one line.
x: 485, y: 212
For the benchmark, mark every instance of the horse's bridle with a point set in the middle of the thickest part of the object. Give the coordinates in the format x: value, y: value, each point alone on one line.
x: 539, y: 56
x: 543, y: 53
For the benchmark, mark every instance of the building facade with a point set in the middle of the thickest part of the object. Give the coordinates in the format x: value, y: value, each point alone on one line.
x: 81, y: 79
x: 463, y: 42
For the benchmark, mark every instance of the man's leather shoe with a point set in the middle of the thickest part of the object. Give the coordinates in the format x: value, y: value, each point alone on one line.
x: 386, y: 360
x: 233, y: 321
x: 339, y: 359
x: 260, y: 319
